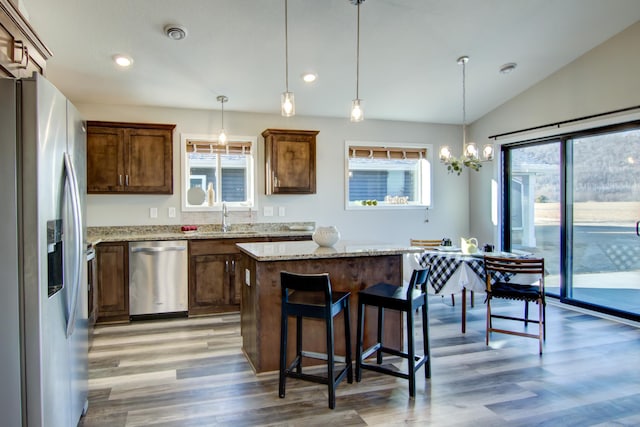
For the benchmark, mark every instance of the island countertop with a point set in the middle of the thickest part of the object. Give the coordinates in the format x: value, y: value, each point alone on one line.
x: 278, y: 251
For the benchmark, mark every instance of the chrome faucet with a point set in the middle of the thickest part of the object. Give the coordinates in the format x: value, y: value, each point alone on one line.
x: 225, y: 214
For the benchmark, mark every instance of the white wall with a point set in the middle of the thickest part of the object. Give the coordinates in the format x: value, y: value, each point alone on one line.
x: 449, y: 216
x: 604, y: 79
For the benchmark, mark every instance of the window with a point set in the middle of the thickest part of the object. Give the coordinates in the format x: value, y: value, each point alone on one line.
x: 226, y: 168
x: 387, y: 175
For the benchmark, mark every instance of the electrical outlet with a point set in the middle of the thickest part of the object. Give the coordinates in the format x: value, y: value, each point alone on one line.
x: 153, y: 212
x: 268, y: 211
x: 281, y: 211
x: 172, y: 212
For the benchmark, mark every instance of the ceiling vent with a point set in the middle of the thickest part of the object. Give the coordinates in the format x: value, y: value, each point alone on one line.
x: 175, y: 32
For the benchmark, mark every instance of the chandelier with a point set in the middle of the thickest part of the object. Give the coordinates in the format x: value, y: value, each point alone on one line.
x: 470, y: 157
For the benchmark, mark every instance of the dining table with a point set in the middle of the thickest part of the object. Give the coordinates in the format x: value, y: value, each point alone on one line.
x: 453, y: 271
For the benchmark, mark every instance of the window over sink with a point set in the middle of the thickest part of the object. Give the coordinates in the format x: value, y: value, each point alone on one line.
x: 227, y: 170
x: 387, y: 175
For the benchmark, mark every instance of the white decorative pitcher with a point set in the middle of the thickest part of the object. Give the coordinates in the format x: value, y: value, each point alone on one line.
x: 326, y: 236
x: 469, y: 246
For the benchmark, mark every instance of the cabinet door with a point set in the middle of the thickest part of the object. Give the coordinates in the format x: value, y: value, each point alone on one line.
x: 21, y: 50
x: 113, y: 282
x: 105, y: 160
x: 290, y: 161
x: 209, y: 280
x: 149, y: 161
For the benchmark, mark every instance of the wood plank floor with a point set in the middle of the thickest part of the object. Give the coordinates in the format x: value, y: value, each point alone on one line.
x: 191, y: 372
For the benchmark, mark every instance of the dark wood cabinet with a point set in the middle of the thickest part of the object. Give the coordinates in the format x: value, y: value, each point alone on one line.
x: 215, y: 276
x: 290, y: 161
x: 21, y: 50
x: 213, y: 267
x: 113, y: 282
x: 129, y: 158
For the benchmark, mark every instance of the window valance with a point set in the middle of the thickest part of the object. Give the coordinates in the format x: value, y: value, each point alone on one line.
x: 361, y: 152
x: 232, y: 147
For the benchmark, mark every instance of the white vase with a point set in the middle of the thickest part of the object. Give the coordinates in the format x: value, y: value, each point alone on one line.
x: 326, y: 236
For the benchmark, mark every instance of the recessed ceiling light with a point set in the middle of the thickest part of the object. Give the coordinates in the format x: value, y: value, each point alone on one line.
x: 175, y: 32
x: 309, y: 77
x: 508, y: 67
x: 123, y: 61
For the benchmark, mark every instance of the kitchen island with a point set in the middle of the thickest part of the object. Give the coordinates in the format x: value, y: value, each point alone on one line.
x: 352, y: 266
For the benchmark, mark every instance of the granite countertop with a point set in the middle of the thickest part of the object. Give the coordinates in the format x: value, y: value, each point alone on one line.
x: 97, y: 235
x: 278, y: 251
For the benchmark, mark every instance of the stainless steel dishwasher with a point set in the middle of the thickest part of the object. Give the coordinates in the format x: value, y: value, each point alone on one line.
x: 158, y: 277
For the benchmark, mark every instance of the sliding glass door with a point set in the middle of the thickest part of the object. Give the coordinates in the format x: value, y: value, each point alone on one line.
x: 575, y: 200
x: 534, y: 198
x: 605, y: 188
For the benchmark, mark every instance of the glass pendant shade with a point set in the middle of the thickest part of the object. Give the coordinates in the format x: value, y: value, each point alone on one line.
x: 222, y: 138
x: 445, y: 153
x: 487, y: 152
x: 288, y: 105
x: 357, y: 113
x: 471, y: 150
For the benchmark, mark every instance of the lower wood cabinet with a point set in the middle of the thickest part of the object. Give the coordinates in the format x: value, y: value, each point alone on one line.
x: 213, y: 287
x: 113, y: 282
x: 215, y: 278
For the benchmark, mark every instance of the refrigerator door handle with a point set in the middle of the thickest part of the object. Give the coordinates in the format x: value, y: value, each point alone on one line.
x: 78, y: 240
x: 638, y: 228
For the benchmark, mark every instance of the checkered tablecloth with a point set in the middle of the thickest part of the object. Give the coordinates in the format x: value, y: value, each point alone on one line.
x: 445, y: 264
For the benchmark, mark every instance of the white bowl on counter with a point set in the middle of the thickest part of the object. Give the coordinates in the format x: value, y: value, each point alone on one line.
x: 326, y: 236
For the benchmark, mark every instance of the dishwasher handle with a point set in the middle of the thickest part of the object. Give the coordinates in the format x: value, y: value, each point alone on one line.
x: 152, y: 249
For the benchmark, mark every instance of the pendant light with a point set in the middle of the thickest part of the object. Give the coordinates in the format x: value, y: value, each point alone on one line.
x: 357, y: 113
x: 287, y: 102
x: 222, y: 138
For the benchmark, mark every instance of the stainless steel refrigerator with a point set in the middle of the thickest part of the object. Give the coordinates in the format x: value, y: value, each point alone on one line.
x: 43, y: 294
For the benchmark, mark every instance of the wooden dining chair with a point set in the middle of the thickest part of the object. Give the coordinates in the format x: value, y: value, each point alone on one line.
x: 421, y: 243
x: 430, y: 244
x: 502, y: 282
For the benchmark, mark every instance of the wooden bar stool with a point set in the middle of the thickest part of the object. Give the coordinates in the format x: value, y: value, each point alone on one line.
x: 310, y: 295
x: 387, y: 296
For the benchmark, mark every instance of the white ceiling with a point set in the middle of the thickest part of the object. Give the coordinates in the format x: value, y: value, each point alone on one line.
x: 408, y: 51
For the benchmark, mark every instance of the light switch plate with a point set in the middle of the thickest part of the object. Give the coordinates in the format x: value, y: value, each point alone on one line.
x: 268, y: 211
x: 172, y: 212
x: 281, y: 211
x: 153, y: 212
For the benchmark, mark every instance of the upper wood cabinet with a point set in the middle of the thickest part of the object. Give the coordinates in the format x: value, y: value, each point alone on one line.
x: 21, y: 50
x: 290, y: 161
x: 129, y: 158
